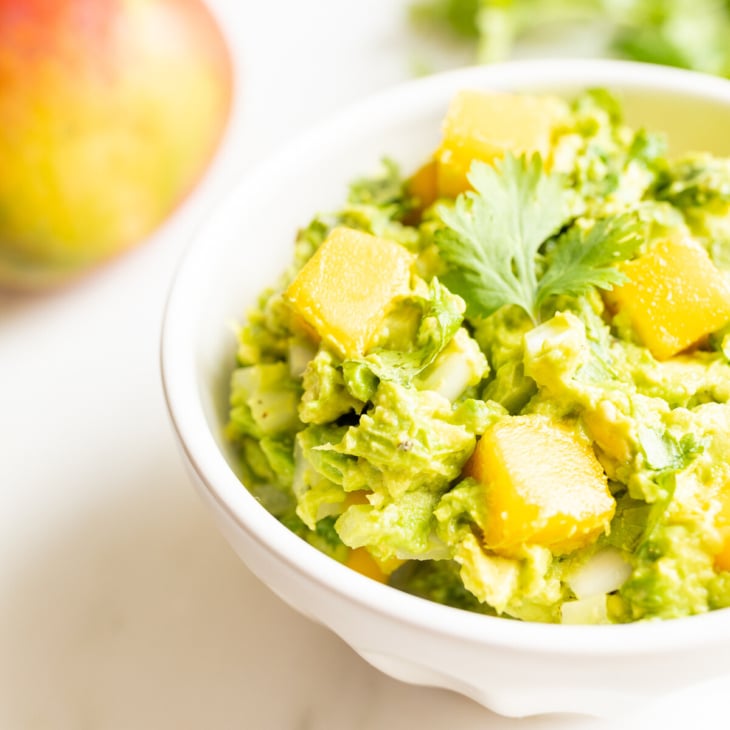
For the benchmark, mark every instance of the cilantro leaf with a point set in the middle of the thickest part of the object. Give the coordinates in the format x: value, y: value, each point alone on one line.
x: 493, y: 233
x: 585, y: 258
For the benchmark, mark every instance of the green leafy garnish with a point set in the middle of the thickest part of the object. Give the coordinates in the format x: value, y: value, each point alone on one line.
x: 673, y: 32
x: 585, y: 258
x: 494, y: 235
x: 386, y: 190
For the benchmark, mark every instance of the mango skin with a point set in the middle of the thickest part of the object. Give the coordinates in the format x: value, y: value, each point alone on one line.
x: 543, y: 486
x: 110, y: 110
x: 346, y: 289
x: 675, y: 296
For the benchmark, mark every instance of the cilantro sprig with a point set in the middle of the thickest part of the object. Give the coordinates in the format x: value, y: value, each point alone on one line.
x: 494, y: 237
x: 586, y: 258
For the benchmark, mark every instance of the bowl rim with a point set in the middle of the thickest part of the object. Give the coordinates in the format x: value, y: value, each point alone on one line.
x: 178, y: 371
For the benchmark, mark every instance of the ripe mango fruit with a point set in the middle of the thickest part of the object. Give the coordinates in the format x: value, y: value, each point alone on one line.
x: 483, y: 125
x: 110, y: 110
x: 346, y: 289
x: 543, y: 486
x: 674, y: 297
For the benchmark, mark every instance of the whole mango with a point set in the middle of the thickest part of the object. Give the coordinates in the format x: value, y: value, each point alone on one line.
x: 110, y: 111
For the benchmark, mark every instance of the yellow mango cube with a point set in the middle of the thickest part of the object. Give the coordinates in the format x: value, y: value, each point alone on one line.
x: 674, y: 297
x: 361, y: 561
x: 543, y: 486
x: 346, y: 289
x: 483, y: 125
x: 423, y: 185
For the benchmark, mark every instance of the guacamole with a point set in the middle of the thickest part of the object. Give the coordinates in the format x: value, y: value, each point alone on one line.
x: 502, y: 383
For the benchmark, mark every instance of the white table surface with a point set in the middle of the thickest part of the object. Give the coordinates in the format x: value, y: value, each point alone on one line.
x: 121, y: 606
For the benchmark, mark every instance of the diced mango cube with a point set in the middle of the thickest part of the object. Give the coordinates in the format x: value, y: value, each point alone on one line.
x: 361, y: 561
x: 346, y: 289
x: 423, y: 184
x: 722, y: 559
x: 543, y: 486
x: 674, y: 297
x: 483, y: 125
x: 364, y: 563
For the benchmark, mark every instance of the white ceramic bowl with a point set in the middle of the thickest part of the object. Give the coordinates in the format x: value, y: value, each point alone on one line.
x: 511, y: 667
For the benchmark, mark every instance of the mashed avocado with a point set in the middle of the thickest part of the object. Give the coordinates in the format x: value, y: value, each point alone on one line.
x: 503, y: 383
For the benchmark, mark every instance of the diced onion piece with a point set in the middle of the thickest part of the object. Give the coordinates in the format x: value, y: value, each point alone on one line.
x: 602, y: 573
x: 591, y: 610
x: 460, y: 365
x: 451, y: 378
x: 301, y: 353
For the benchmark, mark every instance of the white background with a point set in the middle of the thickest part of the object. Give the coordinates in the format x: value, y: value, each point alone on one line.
x: 121, y: 607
